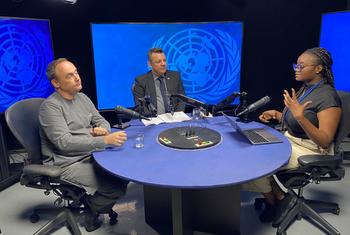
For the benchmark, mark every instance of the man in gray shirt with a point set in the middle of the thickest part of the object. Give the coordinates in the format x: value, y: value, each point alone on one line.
x: 71, y: 128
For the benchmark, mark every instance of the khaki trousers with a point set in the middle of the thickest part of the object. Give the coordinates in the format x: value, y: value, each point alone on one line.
x: 299, y: 147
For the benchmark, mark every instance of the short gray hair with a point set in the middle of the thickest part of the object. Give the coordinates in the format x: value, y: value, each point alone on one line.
x: 154, y: 50
x: 51, y: 68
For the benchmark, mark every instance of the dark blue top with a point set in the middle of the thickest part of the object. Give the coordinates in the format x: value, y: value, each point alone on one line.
x: 323, y: 96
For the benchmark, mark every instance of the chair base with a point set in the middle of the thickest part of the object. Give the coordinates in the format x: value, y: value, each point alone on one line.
x: 65, y: 216
x: 321, y: 206
x: 301, y: 209
x: 34, y: 217
x: 307, y: 209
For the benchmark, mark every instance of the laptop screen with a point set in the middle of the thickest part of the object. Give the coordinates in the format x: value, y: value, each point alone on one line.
x: 231, y: 121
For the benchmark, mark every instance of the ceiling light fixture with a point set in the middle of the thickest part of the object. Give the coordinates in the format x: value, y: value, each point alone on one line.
x: 70, y: 1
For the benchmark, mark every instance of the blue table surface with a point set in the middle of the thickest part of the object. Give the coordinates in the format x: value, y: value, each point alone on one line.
x: 233, y: 161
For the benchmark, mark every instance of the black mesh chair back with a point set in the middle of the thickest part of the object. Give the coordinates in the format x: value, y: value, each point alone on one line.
x: 344, y: 125
x: 23, y: 121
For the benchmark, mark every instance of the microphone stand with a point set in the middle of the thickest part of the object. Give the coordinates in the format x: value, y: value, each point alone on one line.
x: 120, y: 125
x: 145, y: 104
x: 151, y: 107
x: 243, y: 118
x: 227, y: 101
x: 171, y: 105
x: 142, y: 105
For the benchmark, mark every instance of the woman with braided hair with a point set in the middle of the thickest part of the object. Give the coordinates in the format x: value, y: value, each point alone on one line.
x: 310, y: 120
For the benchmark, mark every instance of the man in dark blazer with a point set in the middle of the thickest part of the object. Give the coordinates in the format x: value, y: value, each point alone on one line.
x: 157, y: 85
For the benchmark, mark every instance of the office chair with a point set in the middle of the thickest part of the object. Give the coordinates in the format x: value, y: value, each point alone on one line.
x: 313, y: 169
x: 346, y: 145
x: 23, y: 121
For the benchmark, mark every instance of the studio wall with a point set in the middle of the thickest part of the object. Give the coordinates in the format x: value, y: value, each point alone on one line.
x: 275, y: 32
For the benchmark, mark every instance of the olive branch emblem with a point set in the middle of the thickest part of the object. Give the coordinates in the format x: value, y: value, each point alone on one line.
x: 230, y: 66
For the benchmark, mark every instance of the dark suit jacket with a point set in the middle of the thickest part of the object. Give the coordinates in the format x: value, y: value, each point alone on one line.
x: 144, y: 86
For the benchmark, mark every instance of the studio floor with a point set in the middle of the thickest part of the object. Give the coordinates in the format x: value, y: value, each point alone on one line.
x: 17, y: 201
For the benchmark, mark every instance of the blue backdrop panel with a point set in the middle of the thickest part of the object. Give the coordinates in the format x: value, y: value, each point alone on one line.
x: 25, y: 51
x: 208, y: 56
x: 335, y: 35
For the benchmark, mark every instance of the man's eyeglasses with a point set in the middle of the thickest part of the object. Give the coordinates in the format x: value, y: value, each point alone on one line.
x: 299, y: 67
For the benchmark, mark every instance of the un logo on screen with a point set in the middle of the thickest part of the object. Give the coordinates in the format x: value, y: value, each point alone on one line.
x: 22, y: 65
x: 209, y: 62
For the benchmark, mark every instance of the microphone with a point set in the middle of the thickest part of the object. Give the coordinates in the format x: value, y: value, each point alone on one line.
x: 193, y: 102
x: 190, y: 101
x: 130, y: 113
x: 255, y: 105
x: 228, y: 100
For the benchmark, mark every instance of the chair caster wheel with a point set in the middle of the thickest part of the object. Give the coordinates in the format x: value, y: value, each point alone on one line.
x: 336, y: 211
x: 34, y: 218
x: 281, y: 233
x: 113, y: 218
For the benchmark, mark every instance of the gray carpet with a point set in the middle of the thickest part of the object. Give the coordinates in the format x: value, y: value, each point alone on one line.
x: 16, y: 203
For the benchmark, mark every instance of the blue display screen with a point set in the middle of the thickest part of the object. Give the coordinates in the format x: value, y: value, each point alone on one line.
x: 25, y: 51
x: 335, y: 35
x: 207, y: 55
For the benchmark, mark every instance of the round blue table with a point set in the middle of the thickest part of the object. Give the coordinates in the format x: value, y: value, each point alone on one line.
x: 194, y: 189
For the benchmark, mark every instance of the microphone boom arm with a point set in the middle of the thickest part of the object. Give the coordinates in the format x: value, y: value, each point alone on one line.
x: 190, y: 101
x: 228, y: 100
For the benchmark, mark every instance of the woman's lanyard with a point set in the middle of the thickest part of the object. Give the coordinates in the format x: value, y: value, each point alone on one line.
x: 303, y: 97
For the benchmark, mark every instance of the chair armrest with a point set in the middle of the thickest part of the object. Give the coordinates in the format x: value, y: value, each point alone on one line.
x: 43, y: 170
x: 330, y: 161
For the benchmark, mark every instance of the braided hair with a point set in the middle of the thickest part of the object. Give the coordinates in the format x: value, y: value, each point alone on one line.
x: 323, y: 58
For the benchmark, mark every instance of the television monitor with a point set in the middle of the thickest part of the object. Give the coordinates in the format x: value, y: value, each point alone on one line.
x: 25, y: 51
x: 207, y: 55
x: 335, y: 34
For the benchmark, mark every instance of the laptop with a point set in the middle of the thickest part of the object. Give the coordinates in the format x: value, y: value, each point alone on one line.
x: 254, y: 135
